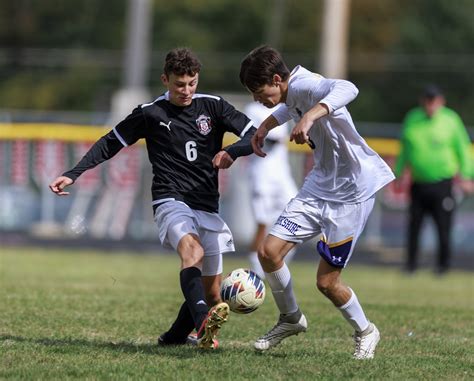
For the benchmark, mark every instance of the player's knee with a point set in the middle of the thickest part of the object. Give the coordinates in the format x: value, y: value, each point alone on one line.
x: 197, y: 253
x: 326, y: 285
x: 192, y: 254
x: 265, y: 254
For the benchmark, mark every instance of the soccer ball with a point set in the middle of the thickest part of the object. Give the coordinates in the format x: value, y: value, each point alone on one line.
x: 243, y: 291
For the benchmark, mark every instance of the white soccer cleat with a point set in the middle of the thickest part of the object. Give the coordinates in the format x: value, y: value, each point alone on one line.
x: 280, y: 331
x: 365, y: 344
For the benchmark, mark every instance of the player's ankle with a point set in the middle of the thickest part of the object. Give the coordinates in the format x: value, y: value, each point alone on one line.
x: 292, y: 317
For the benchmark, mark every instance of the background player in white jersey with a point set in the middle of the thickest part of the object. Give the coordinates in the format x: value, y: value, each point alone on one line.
x: 335, y: 199
x: 183, y: 131
x: 271, y: 182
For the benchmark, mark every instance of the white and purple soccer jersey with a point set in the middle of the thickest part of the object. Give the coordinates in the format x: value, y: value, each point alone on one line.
x: 338, y: 194
x: 345, y: 168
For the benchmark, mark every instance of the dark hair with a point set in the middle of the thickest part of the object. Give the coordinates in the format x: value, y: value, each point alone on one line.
x: 181, y: 61
x: 431, y: 91
x: 260, y: 65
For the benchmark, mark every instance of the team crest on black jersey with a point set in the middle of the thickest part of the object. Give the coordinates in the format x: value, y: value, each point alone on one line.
x: 204, y: 124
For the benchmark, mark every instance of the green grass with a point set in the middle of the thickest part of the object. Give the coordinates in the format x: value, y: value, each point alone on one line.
x: 96, y: 316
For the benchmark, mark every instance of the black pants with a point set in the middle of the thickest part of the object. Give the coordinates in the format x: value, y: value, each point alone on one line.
x: 437, y: 200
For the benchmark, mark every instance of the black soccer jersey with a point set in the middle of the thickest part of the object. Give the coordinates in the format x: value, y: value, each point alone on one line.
x: 181, y: 143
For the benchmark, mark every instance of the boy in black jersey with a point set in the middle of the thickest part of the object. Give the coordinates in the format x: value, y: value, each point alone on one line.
x: 183, y: 131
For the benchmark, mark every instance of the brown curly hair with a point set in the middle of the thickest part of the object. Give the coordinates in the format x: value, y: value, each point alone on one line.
x: 181, y: 61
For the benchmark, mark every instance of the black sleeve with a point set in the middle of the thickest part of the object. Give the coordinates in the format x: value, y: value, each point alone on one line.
x: 105, y: 148
x: 243, y: 146
x: 132, y: 128
x: 126, y: 133
x: 233, y: 120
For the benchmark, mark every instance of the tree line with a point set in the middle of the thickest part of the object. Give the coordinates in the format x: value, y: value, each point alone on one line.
x: 58, y: 55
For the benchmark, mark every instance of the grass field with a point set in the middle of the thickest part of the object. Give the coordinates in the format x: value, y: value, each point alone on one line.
x: 96, y: 316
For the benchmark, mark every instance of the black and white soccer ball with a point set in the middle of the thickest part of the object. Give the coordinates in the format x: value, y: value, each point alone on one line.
x: 243, y: 291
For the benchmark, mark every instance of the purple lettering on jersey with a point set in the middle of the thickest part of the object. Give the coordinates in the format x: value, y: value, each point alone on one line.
x: 289, y: 225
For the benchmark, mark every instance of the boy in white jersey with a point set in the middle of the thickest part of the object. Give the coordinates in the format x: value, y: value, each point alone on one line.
x: 335, y: 200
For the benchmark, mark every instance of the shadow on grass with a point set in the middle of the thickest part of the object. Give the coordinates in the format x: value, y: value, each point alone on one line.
x: 119, y: 346
x: 180, y: 351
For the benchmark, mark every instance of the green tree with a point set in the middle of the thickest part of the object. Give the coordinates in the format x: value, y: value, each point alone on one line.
x: 56, y: 54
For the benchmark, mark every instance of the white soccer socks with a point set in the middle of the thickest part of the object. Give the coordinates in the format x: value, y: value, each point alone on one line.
x: 282, y: 290
x: 354, y: 314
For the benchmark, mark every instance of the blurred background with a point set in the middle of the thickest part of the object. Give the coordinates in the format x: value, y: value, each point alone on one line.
x: 70, y: 70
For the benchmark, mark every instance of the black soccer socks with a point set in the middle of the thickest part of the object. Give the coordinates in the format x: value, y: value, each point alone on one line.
x: 193, y: 291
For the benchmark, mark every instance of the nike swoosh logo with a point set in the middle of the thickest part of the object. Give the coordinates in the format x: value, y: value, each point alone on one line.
x: 201, y: 302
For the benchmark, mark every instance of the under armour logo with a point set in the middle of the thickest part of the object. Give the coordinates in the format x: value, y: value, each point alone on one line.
x: 201, y: 302
x: 166, y: 125
x: 336, y: 259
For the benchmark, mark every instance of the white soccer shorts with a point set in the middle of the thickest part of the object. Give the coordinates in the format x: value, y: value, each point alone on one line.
x: 340, y: 225
x: 175, y: 219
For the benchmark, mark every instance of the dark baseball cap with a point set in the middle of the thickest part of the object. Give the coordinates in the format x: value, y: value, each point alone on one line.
x: 431, y: 91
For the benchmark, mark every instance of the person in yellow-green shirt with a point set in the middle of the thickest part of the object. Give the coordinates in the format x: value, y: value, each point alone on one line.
x: 435, y: 147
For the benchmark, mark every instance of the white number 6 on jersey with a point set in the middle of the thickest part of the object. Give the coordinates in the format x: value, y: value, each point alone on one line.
x: 191, y: 151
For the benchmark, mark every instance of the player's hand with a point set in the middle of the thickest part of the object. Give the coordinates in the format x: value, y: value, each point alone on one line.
x: 397, y: 184
x: 258, y: 140
x: 467, y: 186
x: 59, y: 184
x: 299, y: 134
x: 222, y: 160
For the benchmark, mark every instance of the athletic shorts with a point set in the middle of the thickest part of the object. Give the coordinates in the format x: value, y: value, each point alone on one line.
x: 339, y: 224
x: 175, y: 219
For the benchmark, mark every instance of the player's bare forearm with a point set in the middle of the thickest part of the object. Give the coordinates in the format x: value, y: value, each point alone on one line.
x: 316, y: 112
x: 301, y: 130
x: 222, y: 160
x: 270, y: 123
x: 259, y: 138
x: 58, y: 185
